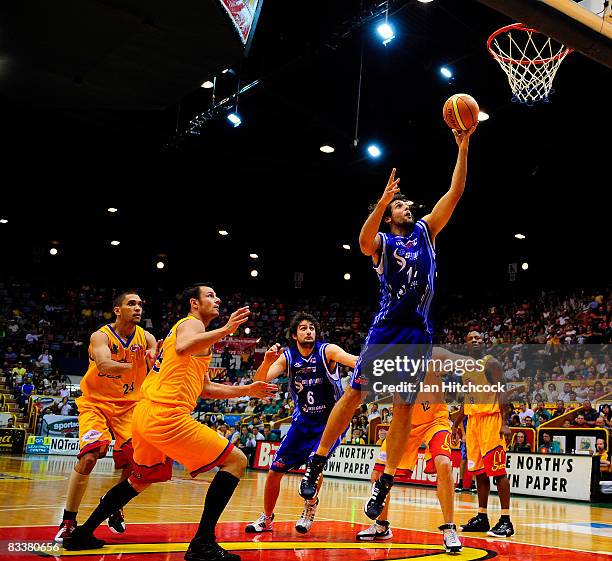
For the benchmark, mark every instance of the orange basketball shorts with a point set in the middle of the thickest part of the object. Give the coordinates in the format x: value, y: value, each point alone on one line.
x: 435, y: 435
x: 162, y: 434
x: 99, y: 422
x: 486, y: 449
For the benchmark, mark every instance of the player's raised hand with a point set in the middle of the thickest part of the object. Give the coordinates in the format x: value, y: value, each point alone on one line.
x: 391, y: 189
x: 261, y: 389
x: 240, y: 316
x: 272, y: 354
x: 462, y: 138
x: 138, y: 356
x: 152, y: 354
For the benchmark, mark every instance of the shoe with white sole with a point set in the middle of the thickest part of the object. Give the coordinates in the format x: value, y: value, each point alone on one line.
x: 452, y: 543
x: 308, y: 514
x: 375, y: 532
x: 262, y: 524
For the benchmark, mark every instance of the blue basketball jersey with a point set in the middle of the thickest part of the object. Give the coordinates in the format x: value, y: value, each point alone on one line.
x: 406, y: 272
x: 313, y: 386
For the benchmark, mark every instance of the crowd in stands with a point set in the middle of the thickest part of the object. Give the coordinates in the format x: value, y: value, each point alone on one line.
x: 39, y: 327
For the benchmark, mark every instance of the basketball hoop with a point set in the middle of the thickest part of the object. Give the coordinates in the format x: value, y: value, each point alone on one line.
x: 529, y: 59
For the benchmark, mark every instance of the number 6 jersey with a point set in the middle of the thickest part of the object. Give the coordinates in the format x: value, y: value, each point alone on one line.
x: 314, y: 388
x: 101, y: 386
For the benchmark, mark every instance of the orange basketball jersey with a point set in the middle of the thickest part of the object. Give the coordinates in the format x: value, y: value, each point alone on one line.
x: 480, y: 402
x: 176, y: 379
x: 97, y: 385
x: 430, y: 405
x: 427, y: 412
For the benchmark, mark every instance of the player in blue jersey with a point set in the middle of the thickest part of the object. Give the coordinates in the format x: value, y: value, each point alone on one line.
x: 404, y: 259
x: 314, y: 385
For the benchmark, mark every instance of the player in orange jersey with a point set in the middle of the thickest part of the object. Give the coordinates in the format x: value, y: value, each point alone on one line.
x: 485, y: 440
x: 118, y: 355
x: 164, y: 430
x: 431, y: 426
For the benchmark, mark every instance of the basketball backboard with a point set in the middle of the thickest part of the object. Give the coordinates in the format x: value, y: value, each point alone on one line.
x: 584, y: 26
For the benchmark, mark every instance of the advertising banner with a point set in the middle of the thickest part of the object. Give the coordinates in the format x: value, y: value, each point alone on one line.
x: 38, y: 445
x: 60, y: 425
x: 70, y: 446
x: 235, y: 345
x: 12, y: 441
x: 355, y: 462
x: 556, y: 476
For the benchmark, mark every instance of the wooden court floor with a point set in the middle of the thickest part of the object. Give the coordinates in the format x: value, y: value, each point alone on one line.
x: 162, y: 520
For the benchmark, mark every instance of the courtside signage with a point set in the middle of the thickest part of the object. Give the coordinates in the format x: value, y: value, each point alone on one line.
x: 553, y: 475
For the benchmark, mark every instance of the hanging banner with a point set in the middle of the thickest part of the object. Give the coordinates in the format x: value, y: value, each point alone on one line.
x: 235, y: 345
x: 243, y: 14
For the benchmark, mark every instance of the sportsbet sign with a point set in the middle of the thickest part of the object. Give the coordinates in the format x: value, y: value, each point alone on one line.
x: 60, y: 425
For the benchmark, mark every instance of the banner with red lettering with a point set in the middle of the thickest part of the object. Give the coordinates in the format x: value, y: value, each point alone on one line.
x: 355, y: 462
x: 235, y: 345
x: 264, y: 454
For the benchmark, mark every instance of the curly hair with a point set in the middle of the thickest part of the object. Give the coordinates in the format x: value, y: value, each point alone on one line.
x: 298, y: 318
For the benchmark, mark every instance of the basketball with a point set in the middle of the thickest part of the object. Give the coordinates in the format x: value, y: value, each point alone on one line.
x: 460, y: 111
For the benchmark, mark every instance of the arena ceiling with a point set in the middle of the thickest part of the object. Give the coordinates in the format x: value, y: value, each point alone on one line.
x: 540, y: 170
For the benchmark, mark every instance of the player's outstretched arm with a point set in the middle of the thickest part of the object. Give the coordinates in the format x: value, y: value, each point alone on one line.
x: 338, y: 354
x: 192, y: 337
x: 444, y: 360
x: 272, y: 366
x: 212, y: 390
x: 441, y: 213
x: 369, y: 241
x: 103, y: 358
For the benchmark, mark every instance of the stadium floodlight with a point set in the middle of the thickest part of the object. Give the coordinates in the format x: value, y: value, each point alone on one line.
x: 520, y: 236
x: 525, y: 266
x: 385, y: 30
x: 254, y: 273
x: 374, y: 150
x: 207, y: 85
x: 446, y: 72
x: 347, y: 276
x: 115, y: 242
x: 253, y: 256
x: 111, y: 209
x: 483, y: 116
x: 223, y: 233
x: 53, y: 251
x: 235, y: 119
x: 327, y: 149
x: 346, y: 246
x: 160, y: 264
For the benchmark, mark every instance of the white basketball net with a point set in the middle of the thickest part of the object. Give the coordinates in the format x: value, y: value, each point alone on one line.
x: 529, y: 59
